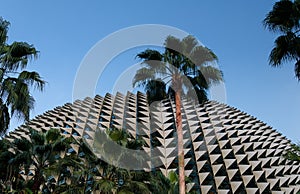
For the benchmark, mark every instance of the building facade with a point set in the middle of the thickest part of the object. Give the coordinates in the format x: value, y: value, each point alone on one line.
x: 226, y: 150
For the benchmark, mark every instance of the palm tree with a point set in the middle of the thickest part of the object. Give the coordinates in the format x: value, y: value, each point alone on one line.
x: 15, y: 81
x: 59, y: 169
x: 186, y: 67
x: 113, y: 179
x: 67, y: 175
x: 117, y: 180
x: 284, y: 19
x: 38, y: 153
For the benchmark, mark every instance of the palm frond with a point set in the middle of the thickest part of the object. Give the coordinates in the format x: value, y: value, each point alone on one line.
x: 7, y: 88
x: 189, y: 43
x: 198, y: 81
x: 152, y: 60
x: 52, y: 135
x: 297, y: 70
x: 158, y: 183
x: 212, y: 75
x: 283, y: 17
x: 150, y: 55
x: 195, y: 89
x: 284, y: 49
x: 201, y: 95
x: 33, y: 79
x: 3, y: 30
x: 22, y: 144
x: 105, y: 186
x: 17, y: 96
x: 134, y: 187
x: 37, y: 138
x: 22, y: 107
x: 4, y: 118
x: 156, y: 90
x: 17, y: 55
x: 142, y: 76
x: 201, y: 55
x: 173, y: 44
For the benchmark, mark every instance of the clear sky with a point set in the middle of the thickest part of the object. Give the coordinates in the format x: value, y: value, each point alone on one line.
x: 64, y: 32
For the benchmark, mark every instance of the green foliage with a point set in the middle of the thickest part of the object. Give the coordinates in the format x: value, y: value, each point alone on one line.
x: 156, y: 90
x: 183, y: 66
x: 37, y: 154
x: 293, y: 153
x: 15, y: 97
x: 121, y: 180
x: 174, y: 186
x: 73, y: 172
x: 284, y: 19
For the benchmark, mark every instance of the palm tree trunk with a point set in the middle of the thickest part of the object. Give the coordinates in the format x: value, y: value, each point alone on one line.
x: 180, y: 143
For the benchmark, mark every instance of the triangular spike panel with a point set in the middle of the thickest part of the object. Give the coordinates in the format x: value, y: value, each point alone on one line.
x: 226, y: 150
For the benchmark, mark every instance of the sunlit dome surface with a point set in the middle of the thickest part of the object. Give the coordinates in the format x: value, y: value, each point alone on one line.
x: 226, y: 150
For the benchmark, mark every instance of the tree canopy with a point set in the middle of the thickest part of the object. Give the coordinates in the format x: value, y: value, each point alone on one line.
x: 15, y: 80
x: 284, y: 19
x: 184, y: 68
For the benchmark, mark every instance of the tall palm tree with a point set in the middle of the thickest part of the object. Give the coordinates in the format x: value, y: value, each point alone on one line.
x: 186, y: 67
x: 15, y: 81
x: 284, y: 19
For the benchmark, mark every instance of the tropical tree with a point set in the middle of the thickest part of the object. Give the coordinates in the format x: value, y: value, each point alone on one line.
x: 66, y: 175
x: 8, y: 172
x: 48, y: 161
x: 76, y: 172
x: 113, y: 178
x: 186, y: 68
x: 155, y: 90
x: 15, y: 81
x: 284, y: 19
x: 37, y: 153
x: 293, y: 153
x: 119, y: 180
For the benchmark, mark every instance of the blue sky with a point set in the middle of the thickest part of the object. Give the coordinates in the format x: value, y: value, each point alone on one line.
x: 64, y: 32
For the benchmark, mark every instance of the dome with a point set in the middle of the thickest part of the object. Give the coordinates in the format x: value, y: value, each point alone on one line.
x: 226, y: 150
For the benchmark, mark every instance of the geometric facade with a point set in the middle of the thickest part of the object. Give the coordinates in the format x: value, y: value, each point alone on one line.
x: 226, y: 150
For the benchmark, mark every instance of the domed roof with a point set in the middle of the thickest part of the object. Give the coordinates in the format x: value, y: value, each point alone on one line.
x: 226, y: 150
